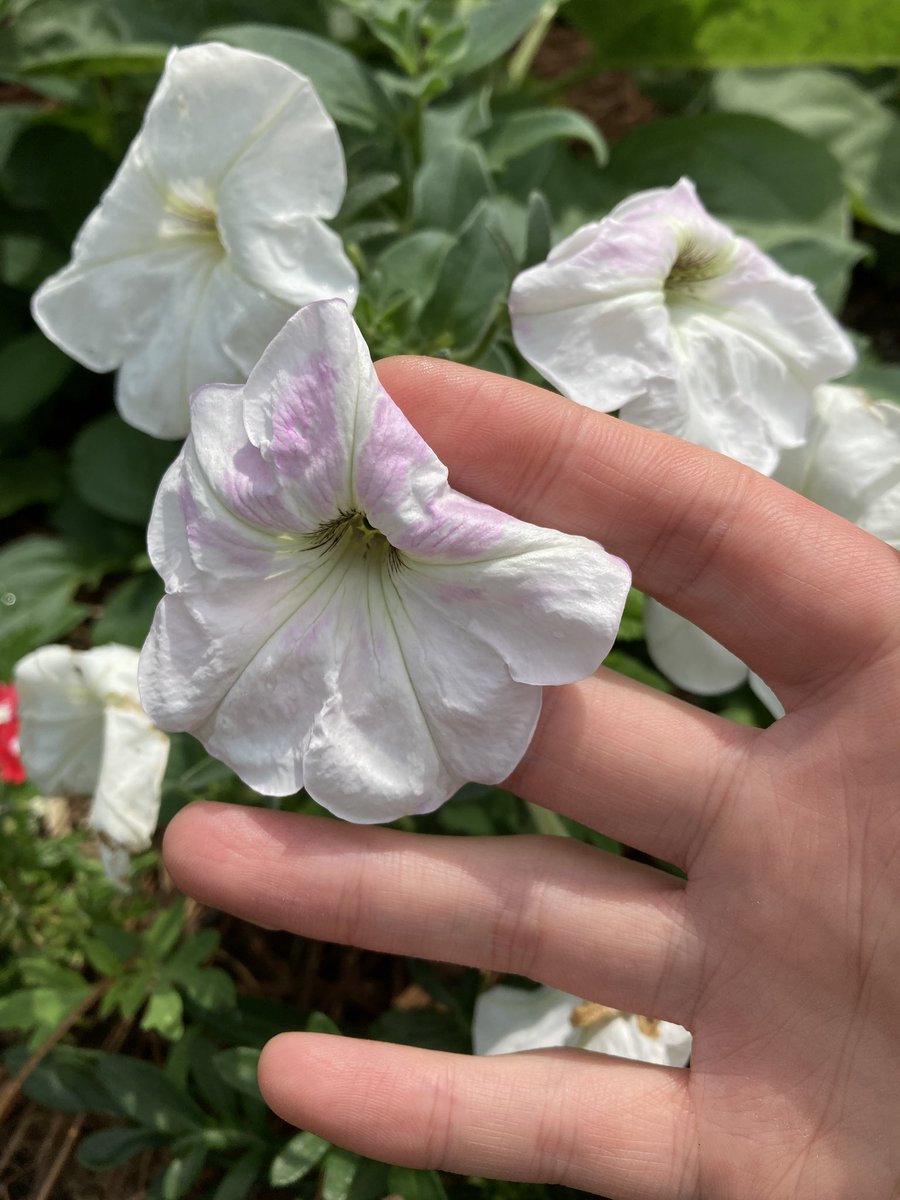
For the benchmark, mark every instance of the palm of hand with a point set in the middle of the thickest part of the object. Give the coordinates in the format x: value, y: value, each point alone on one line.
x: 777, y: 951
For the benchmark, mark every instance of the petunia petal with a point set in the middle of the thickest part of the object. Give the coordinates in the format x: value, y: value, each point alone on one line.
x: 663, y: 312
x: 91, y: 308
x: 307, y: 406
x: 309, y: 636
x: 417, y: 732
x: 125, y: 805
x: 689, y: 656
x: 508, y: 1019
x: 296, y: 262
x: 245, y: 104
x: 851, y: 464
x: 61, y: 722
x: 737, y: 396
x: 668, y: 1044
x: 210, y: 330
x: 209, y: 237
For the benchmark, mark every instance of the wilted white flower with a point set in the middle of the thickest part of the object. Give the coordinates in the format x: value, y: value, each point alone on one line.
x: 850, y: 465
x: 83, y: 733
x: 209, y: 237
x: 508, y: 1019
x: 337, y: 617
x: 660, y: 311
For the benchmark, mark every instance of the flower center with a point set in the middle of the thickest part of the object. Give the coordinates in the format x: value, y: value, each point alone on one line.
x: 696, y: 264
x: 192, y: 215
x: 354, y: 531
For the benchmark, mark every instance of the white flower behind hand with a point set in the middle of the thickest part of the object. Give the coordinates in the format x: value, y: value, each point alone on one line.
x: 508, y: 1020
x: 337, y: 617
x: 209, y: 237
x: 850, y: 464
x: 82, y: 732
x: 660, y: 311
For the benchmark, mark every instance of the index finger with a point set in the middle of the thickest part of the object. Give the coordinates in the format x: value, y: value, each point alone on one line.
x: 799, y: 594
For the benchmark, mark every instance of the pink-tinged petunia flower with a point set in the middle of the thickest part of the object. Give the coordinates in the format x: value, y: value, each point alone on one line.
x: 337, y: 617
x: 11, y: 769
x: 663, y: 313
x: 508, y: 1020
x: 84, y: 733
x: 209, y: 237
x: 850, y: 465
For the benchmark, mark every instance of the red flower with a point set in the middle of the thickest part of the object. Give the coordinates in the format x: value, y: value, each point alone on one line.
x: 11, y: 769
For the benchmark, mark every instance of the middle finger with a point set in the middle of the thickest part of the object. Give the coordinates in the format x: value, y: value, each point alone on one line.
x: 553, y: 909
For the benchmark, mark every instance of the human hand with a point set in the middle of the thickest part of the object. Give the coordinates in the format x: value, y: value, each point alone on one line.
x: 779, y: 953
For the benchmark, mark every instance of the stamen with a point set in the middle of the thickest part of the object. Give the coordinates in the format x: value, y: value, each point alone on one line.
x: 587, y: 1014
x: 356, y: 527
x: 696, y: 264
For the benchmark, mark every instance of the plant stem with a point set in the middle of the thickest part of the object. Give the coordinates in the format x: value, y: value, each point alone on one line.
x: 526, y: 51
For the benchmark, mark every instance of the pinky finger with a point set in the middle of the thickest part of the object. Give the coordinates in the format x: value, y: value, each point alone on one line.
x: 599, y: 1124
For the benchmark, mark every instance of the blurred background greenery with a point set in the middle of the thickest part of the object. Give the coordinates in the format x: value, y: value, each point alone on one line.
x: 477, y: 133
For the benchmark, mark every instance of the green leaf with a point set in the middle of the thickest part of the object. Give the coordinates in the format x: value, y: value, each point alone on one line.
x: 128, y: 611
x: 118, y: 60
x: 13, y: 119
x: 165, y: 930
x: 31, y: 369
x: 472, y: 284
x: 112, y: 1147
x: 128, y: 993
x: 26, y: 258
x: 43, y: 972
x: 144, y: 1093
x: 318, y: 1022
x: 538, y: 230
x: 626, y: 664
x: 209, y: 987
x: 182, y: 1173
x: 164, y: 1013
x: 449, y: 186
x: 708, y: 33
x: 177, y: 22
x: 369, y: 189
x: 296, y: 1159
x: 338, y: 1173
x: 745, y: 167
x: 461, y: 120
x: 494, y: 26
x: 862, y: 133
x: 237, y: 1067
x: 41, y: 1008
x: 408, y: 269
x: 110, y: 545
x: 59, y: 172
x: 38, y: 578
x: 116, y: 469
x: 516, y: 134
x: 415, y: 1185
x: 428, y: 1028
x: 347, y: 88
x: 36, y: 478
x: 195, y: 949
x: 66, y: 1080
x: 101, y: 957
x: 631, y: 628
x: 239, y: 1181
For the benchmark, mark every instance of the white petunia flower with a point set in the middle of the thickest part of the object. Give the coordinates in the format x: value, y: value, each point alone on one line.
x: 660, y: 311
x: 83, y: 733
x: 209, y: 237
x: 507, y: 1020
x: 850, y: 465
x: 337, y: 617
